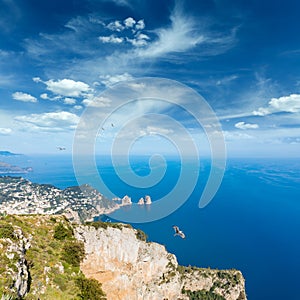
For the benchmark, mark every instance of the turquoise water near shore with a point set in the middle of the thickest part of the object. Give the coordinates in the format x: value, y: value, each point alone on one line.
x: 252, y: 224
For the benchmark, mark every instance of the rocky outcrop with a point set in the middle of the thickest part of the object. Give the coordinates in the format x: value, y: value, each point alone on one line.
x: 148, y: 199
x: 16, y: 251
x: 141, y: 201
x: 126, y: 200
x: 132, y: 269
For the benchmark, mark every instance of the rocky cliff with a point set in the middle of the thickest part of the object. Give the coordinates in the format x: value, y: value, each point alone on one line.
x: 47, y: 258
x: 131, y: 269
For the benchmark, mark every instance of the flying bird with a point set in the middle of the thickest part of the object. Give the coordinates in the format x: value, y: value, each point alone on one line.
x: 178, y: 232
x: 61, y: 148
x: 112, y: 125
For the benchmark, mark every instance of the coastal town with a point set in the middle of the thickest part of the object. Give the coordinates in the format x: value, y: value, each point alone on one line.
x: 77, y: 203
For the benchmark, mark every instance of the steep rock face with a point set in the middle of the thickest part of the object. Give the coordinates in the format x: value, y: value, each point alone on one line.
x: 131, y: 269
x: 128, y: 268
x: 16, y: 251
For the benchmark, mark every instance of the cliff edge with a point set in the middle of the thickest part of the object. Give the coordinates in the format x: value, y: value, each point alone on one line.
x: 47, y: 258
x: 130, y: 268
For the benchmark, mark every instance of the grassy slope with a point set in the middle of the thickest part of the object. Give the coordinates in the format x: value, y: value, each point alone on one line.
x: 44, y: 259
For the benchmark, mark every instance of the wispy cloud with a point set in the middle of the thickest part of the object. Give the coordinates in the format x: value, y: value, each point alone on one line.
x: 96, y: 101
x: 124, y: 45
x: 226, y: 80
x: 244, y: 126
x: 5, y: 131
x: 53, y: 121
x: 111, y: 39
x: 183, y: 34
x: 109, y: 80
x: 120, y: 2
x: 24, y: 97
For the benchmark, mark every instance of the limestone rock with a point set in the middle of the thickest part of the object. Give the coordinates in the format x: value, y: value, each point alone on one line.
x: 126, y: 200
x: 131, y: 269
x: 141, y: 201
x: 148, y: 199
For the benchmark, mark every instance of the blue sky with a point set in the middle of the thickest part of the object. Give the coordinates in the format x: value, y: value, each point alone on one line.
x: 56, y: 57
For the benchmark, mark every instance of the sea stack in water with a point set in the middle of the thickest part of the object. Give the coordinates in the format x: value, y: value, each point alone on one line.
x: 148, y: 199
x: 141, y: 201
x: 126, y: 200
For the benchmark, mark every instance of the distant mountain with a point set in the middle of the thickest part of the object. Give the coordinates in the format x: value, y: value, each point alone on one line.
x: 7, y: 153
x: 6, y: 168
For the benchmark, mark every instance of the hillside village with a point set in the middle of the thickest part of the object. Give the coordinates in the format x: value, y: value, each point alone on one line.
x: 78, y: 204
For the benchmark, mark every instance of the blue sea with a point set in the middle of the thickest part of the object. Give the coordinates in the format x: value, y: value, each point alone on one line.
x: 252, y: 224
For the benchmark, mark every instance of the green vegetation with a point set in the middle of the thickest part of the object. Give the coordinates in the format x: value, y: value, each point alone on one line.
x: 73, y: 253
x: 97, y: 224
x: 6, y: 231
x: 141, y: 235
x: 105, y: 225
x: 90, y: 289
x: 53, y: 263
x: 202, y: 295
x: 62, y: 231
x: 7, y: 297
x: 232, y: 277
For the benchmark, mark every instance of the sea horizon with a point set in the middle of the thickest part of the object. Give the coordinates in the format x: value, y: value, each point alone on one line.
x: 251, y: 224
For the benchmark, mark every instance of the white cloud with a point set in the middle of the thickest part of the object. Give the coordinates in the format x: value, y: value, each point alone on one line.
x: 20, y: 96
x: 129, y: 22
x: 115, y: 26
x: 183, y: 34
x: 121, y: 2
x: 180, y: 36
x: 233, y: 136
x: 5, y: 131
x: 54, y: 121
x: 226, y: 80
x: 95, y: 101
x: 152, y: 130
x: 140, y: 25
x: 37, y: 79
x: 69, y: 101
x: 78, y: 107
x: 64, y: 87
x: 140, y: 40
x: 290, y: 104
x: 243, y: 125
x: 111, y: 39
x: 109, y: 80
x: 44, y: 96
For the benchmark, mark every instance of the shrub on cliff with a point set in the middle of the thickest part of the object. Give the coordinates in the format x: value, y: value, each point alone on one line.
x: 62, y: 232
x: 141, y: 235
x: 6, y: 231
x: 203, y: 295
x: 73, y: 253
x: 89, y: 289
